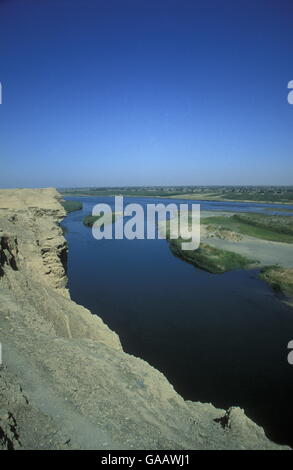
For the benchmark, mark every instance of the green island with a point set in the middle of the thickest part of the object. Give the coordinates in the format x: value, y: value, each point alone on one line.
x: 231, y: 241
x: 209, y: 258
x: 89, y: 220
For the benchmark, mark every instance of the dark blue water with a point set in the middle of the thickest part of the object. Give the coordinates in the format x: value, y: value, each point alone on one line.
x: 218, y: 338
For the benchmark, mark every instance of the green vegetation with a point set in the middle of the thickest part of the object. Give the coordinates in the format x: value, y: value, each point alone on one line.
x: 277, y: 228
x: 279, y: 209
x: 131, y: 191
x: 281, y: 279
x: 268, y: 194
x: 89, y: 220
x: 71, y: 206
x: 209, y: 258
x: 261, y: 196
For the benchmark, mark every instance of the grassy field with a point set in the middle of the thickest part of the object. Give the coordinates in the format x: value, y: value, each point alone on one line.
x: 209, y: 258
x: 277, y: 228
x: 265, y: 196
x: 71, y: 206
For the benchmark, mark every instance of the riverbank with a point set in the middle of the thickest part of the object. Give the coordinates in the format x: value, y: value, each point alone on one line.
x: 64, y: 369
x: 281, y: 280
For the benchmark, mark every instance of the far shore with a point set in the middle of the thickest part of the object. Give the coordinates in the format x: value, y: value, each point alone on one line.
x: 182, y: 197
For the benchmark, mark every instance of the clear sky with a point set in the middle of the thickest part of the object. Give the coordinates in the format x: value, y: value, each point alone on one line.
x: 145, y: 92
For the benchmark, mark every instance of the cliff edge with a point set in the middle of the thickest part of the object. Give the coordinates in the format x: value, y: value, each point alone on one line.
x: 65, y: 382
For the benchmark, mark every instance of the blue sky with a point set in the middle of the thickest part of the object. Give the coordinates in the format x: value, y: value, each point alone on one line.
x: 135, y: 92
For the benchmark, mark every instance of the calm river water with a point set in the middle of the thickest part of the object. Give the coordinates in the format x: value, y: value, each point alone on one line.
x: 217, y: 338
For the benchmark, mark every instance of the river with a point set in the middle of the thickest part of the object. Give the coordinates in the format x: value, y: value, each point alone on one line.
x: 217, y: 338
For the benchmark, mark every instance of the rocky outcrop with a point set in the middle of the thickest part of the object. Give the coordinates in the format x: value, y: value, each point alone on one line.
x: 8, y: 252
x: 65, y: 381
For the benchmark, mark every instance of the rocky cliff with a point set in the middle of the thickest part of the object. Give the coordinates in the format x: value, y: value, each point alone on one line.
x: 65, y: 381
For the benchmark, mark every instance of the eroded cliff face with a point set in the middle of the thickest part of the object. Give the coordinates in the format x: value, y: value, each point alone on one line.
x: 65, y: 381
